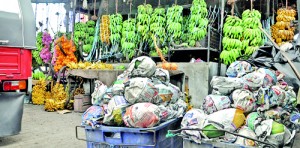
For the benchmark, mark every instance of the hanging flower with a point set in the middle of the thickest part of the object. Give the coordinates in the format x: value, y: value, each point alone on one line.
x: 45, y: 53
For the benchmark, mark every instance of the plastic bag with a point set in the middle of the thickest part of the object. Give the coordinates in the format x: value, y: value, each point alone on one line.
x: 143, y: 115
x: 260, y: 78
x: 141, y: 90
x: 213, y: 103
x: 225, y: 85
x: 172, y: 110
x: 118, y: 87
x: 238, y: 68
x: 177, y: 94
x: 266, y: 98
x: 164, y: 94
x: 163, y: 75
x: 98, y: 93
x: 278, y: 114
x: 252, y: 120
x: 142, y: 67
x: 246, y: 131
x: 92, y: 116
x: 116, y: 108
x: 243, y: 99
x: 194, y: 118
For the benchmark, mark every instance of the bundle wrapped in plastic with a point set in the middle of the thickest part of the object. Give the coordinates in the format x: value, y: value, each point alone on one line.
x: 141, y: 90
x: 162, y: 75
x: 177, y: 94
x: 260, y: 78
x: 194, y: 118
x: 253, y: 119
x: 213, y: 103
x: 116, y: 108
x: 118, y: 88
x: 164, y: 94
x: 225, y: 85
x: 246, y: 131
x: 143, y: 115
x: 92, y: 116
x: 98, y: 93
x: 238, y: 69
x: 172, y: 111
x: 278, y: 114
x: 142, y: 67
x: 243, y: 99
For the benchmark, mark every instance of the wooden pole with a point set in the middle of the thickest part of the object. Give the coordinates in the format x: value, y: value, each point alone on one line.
x: 282, y: 52
x: 116, y: 6
x: 251, y: 4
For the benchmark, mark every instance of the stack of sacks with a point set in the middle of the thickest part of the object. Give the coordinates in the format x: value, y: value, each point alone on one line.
x: 142, y: 96
x: 261, y: 95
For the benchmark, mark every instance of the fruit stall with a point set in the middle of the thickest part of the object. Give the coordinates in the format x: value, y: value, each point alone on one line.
x: 182, y: 73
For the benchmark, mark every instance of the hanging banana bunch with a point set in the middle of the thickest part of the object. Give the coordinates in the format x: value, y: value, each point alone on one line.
x: 115, y: 27
x: 198, y: 21
x: 253, y: 37
x: 232, y: 45
x: 104, y: 29
x: 174, y: 23
x: 143, y: 21
x: 129, y: 38
x: 281, y: 30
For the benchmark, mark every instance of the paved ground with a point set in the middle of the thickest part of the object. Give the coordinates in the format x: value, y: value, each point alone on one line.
x: 42, y: 129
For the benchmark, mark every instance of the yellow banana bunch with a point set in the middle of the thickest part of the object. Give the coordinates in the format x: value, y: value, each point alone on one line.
x: 89, y: 65
x: 38, y: 92
x: 50, y: 105
x: 104, y: 29
x: 286, y: 12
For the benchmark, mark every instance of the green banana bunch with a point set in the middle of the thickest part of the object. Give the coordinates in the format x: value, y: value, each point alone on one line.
x: 229, y: 56
x: 250, y: 49
x: 129, y: 37
x: 229, y: 44
x: 157, y: 27
x: 143, y: 21
x: 174, y: 23
x: 115, y: 27
x: 251, y: 34
x: 251, y: 14
x: 235, y: 32
x: 39, y: 45
x: 233, y: 21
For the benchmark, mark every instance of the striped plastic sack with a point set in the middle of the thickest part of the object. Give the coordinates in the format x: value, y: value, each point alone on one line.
x: 213, y: 103
x: 225, y: 85
x: 243, y: 99
x: 238, y: 69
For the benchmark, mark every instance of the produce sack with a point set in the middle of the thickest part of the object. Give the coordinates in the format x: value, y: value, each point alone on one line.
x: 277, y: 114
x: 225, y: 85
x: 213, y: 103
x: 98, y: 93
x: 290, y: 98
x: 139, y: 90
x: 177, y: 94
x: 142, y: 115
x: 280, y: 93
x: 164, y: 94
x: 238, y: 69
x: 231, y: 118
x: 246, y: 131
x: 260, y: 78
x: 194, y: 118
x: 163, y: 75
x: 253, y: 119
x: 266, y: 98
x: 172, y: 110
x: 243, y: 99
x: 115, y: 109
x: 142, y: 67
x: 92, y: 116
x: 118, y: 88
x: 107, y: 95
x: 273, y: 132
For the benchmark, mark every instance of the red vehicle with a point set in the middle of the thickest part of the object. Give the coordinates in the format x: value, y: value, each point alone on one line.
x: 17, y: 39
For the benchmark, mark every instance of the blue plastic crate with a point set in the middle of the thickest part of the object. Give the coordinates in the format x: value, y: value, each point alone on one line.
x: 108, y: 136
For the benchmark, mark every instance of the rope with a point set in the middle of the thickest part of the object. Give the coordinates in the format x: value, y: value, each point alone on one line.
x: 286, y: 4
x: 158, y: 2
x: 251, y: 3
x: 175, y: 2
x: 116, y: 1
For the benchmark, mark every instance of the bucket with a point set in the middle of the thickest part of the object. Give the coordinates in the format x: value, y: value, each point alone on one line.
x: 81, y: 103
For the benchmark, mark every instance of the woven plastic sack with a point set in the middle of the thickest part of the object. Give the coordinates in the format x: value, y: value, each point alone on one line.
x: 92, y: 116
x: 118, y: 88
x: 246, y: 131
x: 98, y: 93
x: 177, y: 94
x: 139, y: 90
x: 253, y: 120
x: 194, y: 118
x: 172, y: 111
x: 142, y: 67
x: 164, y: 94
x: 243, y: 99
x: 260, y: 78
x: 266, y: 98
x: 116, y: 108
x: 277, y: 114
x: 225, y: 85
x: 142, y: 115
x: 238, y: 69
x: 213, y: 103
x: 163, y: 75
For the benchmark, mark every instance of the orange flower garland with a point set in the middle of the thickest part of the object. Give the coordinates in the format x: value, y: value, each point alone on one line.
x: 65, y: 52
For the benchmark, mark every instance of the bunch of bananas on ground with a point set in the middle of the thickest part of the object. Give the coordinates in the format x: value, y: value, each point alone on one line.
x: 143, y: 21
x: 129, y: 38
x: 104, y: 29
x: 50, y: 105
x: 157, y: 27
x: 231, y: 42
x: 58, y: 98
x: 198, y: 21
x: 38, y: 92
x: 281, y: 30
x: 89, y: 65
x: 115, y: 27
x: 253, y: 37
x: 174, y: 23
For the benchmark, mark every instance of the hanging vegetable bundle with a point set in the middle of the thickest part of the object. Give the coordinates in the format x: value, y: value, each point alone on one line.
x: 39, y: 45
x: 143, y: 21
x: 282, y: 31
x: 157, y: 28
x: 253, y: 37
x: 232, y: 45
x: 64, y: 49
x: 174, y: 23
x: 45, y: 53
x: 129, y: 38
x: 115, y: 27
x: 198, y: 21
x: 104, y: 29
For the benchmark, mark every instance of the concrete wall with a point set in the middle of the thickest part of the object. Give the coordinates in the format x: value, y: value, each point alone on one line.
x: 199, y: 77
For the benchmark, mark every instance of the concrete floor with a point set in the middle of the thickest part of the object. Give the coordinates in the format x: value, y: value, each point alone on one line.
x: 41, y: 129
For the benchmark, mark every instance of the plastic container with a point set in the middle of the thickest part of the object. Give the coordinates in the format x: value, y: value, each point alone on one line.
x: 107, y: 136
x: 81, y: 103
x: 191, y: 144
